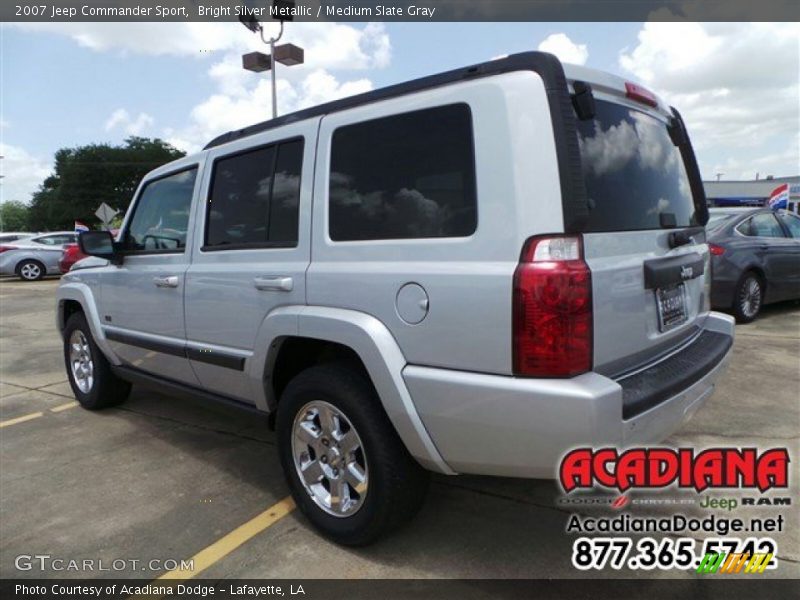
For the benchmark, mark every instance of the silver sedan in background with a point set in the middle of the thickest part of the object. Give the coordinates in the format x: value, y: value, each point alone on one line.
x: 34, y: 257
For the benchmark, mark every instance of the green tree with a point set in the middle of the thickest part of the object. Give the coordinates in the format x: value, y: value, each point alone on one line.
x: 86, y: 176
x: 14, y: 216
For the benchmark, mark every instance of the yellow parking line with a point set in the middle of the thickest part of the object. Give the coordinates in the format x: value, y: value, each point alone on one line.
x: 227, y: 544
x: 61, y: 407
x: 21, y: 419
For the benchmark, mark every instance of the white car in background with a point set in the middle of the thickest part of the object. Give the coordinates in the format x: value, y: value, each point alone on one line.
x: 31, y: 258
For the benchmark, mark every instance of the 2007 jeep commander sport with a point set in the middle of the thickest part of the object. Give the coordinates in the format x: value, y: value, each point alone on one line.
x: 468, y: 273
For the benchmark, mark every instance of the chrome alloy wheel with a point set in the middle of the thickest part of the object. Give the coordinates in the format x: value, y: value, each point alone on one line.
x: 80, y: 361
x: 329, y: 458
x: 750, y: 298
x: 30, y: 271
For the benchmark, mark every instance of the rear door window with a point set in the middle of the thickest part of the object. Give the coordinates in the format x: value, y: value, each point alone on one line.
x: 55, y: 240
x: 255, y: 198
x: 635, y: 177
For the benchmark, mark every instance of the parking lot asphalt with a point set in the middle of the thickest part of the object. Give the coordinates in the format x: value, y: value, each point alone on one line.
x: 162, y: 478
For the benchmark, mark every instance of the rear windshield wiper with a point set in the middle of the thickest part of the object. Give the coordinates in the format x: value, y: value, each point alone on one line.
x: 683, y: 237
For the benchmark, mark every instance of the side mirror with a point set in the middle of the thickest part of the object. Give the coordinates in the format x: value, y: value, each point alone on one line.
x: 100, y: 244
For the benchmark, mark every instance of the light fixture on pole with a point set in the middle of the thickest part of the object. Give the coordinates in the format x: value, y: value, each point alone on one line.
x: 286, y: 54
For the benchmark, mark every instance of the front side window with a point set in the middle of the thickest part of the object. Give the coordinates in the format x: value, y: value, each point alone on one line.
x: 761, y: 225
x: 255, y: 198
x: 405, y: 176
x: 161, y: 217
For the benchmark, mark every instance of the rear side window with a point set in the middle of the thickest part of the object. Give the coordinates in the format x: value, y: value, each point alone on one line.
x: 161, y: 216
x: 255, y: 198
x: 793, y: 223
x: 405, y: 176
x: 635, y: 176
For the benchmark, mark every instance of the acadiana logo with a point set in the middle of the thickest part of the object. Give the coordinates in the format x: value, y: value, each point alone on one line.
x: 649, y: 468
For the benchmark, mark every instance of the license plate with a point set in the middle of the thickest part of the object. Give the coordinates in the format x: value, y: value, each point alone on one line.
x: 671, y: 303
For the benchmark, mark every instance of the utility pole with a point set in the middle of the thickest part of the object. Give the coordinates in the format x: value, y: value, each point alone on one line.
x: 286, y: 54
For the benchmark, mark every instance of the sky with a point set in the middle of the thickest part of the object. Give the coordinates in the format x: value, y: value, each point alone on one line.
x: 69, y: 84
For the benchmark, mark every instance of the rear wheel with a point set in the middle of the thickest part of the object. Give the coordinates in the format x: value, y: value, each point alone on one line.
x: 30, y: 270
x: 347, y: 468
x: 93, y: 382
x: 749, y: 297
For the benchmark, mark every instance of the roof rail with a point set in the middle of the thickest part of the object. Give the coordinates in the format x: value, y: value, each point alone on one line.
x: 547, y: 65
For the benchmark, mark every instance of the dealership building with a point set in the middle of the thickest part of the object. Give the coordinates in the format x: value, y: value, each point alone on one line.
x: 745, y: 193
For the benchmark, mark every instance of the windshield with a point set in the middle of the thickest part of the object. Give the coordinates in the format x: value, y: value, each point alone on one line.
x: 635, y: 177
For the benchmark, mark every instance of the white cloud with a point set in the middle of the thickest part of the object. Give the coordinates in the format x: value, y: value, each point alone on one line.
x: 241, y: 98
x: 183, y: 39
x: 736, y: 85
x: 22, y: 172
x: 565, y: 49
x: 251, y: 103
x: 121, y: 118
x: 327, y: 45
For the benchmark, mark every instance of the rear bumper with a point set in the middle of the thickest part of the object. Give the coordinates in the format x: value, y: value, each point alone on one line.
x: 495, y: 425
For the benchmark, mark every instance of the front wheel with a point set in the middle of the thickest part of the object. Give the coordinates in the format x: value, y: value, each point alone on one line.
x: 749, y: 298
x: 93, y: 382
x: 347, y: 468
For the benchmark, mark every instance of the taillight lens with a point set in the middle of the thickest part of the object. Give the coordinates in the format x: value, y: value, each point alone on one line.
x: 552, y: 310
x: 716, y: 250
x: 4, y: 248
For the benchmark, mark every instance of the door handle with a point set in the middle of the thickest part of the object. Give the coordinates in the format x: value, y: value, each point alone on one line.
x: 277, y: 284
x: 166, y: 282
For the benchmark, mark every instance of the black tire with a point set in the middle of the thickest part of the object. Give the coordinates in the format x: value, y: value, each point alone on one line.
x: 396, y: 482
x: 106, y: 389
x: 31, y: 270
x: 749, y: 297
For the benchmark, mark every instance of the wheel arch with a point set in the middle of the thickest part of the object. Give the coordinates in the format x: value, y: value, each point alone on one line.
x: 762, y: 275
x: 73, y: 297
x: 291, y: 337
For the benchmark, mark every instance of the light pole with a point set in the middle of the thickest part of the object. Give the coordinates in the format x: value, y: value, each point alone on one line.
x: 286, y: 54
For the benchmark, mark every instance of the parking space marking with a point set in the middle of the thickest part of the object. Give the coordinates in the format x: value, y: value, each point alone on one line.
x: 230, y: 542
x: 61, y: 407
x: 21, y: 419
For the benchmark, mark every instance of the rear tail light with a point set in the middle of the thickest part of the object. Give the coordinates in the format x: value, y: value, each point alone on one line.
x: 552, y: 309
x: 4, y: 248
x: 716, y: 250
x: 640, y: 94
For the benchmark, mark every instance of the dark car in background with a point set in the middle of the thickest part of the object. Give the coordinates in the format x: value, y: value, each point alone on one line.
x: 755, y: 259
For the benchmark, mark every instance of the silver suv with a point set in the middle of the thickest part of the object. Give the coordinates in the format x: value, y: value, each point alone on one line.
x: 468, y: 273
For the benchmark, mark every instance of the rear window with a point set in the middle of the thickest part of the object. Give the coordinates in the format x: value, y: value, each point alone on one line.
x: 715, y: 221
x: 635, y: 176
